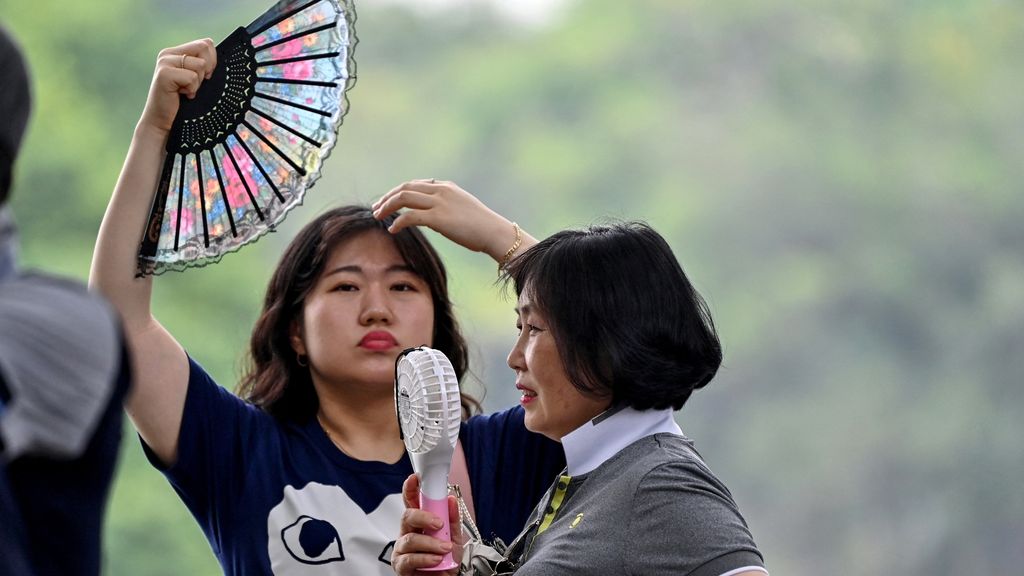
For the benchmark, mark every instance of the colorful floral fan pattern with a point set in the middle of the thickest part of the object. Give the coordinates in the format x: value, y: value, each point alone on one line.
x: 242, y: 153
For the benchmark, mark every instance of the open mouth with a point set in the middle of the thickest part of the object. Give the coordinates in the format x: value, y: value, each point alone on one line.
x: 527, y: 394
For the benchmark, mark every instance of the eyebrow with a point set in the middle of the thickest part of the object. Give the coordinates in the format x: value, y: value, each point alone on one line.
x: 524, y: 310
x: 356, y: 269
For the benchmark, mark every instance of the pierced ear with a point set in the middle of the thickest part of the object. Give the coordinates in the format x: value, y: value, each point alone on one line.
x: 295, y: 338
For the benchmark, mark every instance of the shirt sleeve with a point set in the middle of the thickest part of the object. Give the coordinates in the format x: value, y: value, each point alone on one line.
x: 217, y: 429
x: 509, y: 469
x: 684, y: 521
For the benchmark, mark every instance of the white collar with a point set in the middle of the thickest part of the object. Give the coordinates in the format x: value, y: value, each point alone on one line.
x: 597, y: 440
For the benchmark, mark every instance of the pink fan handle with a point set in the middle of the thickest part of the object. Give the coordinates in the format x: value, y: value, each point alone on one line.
x: 440, y: 508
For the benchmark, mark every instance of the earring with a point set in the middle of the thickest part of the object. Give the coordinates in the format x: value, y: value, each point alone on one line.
x: 300, y: 359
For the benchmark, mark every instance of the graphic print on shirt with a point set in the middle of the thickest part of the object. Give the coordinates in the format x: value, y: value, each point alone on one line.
x: 319, y: 530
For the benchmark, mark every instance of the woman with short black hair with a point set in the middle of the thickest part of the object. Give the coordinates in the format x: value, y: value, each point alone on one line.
x: 664, y: 346
x: 612, y: 339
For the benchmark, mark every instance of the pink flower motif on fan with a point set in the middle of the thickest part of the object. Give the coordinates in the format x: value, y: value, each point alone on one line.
x: 243, y: 159
x: 212, y: 191
x: 186, y: 222
x: 265, y: 126
x: 235, y: 188
x: 287, y: 50
x: 298, y: 70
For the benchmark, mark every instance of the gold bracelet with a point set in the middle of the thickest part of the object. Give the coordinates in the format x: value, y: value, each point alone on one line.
x: 512, y: 250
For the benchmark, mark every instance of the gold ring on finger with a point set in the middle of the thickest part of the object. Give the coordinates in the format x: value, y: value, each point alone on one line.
x: 183, y: 56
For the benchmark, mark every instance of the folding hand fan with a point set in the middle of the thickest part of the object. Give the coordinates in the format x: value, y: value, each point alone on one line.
x: 242, y: 153
x: 429, y: 413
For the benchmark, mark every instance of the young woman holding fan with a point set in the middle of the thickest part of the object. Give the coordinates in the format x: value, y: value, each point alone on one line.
x: 303, y: 473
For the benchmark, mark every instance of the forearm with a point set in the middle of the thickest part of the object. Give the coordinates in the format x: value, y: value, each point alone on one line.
x: 116, y: 252
x: 160, y: 367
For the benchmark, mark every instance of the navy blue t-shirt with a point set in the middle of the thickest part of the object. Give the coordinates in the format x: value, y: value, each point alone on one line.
x: 279, y: 498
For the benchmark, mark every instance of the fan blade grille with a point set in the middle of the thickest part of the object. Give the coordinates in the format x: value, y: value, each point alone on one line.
x: 429, y: 405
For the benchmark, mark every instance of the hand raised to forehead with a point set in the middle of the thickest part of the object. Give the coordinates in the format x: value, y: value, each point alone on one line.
x: 454, y: 213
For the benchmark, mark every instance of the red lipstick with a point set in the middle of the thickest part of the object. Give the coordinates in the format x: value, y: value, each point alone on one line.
x: 378, y: 340
x: 528, y: 394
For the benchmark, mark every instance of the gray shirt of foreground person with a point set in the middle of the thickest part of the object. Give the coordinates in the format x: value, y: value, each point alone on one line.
x: 59, y: 350
x: 654, y: 507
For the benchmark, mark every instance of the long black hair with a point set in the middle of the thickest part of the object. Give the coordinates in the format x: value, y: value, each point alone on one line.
x: 273, y: 379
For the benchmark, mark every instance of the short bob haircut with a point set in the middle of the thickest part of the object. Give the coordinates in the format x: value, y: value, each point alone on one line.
x: 626, y: 321
x: 273, y: 379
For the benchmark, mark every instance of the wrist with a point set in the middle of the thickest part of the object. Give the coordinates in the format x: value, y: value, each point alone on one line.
x: 513, y: 248
x: 147, y: 132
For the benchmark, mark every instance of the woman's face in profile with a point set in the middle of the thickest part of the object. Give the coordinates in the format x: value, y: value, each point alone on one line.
x: 554, y: 407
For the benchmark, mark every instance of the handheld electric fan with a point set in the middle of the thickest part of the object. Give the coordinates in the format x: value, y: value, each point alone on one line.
x: 429, y: 413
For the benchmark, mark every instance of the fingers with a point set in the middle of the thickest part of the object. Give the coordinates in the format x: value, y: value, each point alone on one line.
x: 413, y: 552
x: 429, y: 203
x: 179, y: 70
x: 454, y: 519
x: 446, y: 208
x: 406, y: 220
x: 196, y: 64
x: 416, y: 565
x: 197, y: 55
x: 415, y: 520
x: 422, y: 544
x: 428, y: 187
x: 421, y: 185
x: 183, y: 68
x: 404, y: 199
x: 179, y: 80
x: 411, y: 491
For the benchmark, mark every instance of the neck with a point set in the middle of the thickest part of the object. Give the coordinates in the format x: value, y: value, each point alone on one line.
x: 364, y: 426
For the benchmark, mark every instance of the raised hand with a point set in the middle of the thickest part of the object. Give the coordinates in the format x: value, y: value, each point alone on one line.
x: 179, y: 70
x: 454, y: 213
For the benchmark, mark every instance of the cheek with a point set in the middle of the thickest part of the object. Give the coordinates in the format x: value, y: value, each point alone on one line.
x: 564, y: 399
x: 547, y: 364
x: 421, y: 314
x: 313, y: 320
x: 313, y: 309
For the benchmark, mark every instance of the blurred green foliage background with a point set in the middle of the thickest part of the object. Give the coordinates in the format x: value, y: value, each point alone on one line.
x: 841, y: 180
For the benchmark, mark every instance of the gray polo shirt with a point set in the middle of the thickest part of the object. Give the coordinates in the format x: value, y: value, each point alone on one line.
x: 654, y: 507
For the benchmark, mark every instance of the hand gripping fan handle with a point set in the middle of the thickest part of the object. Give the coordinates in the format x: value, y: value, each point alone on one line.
x: 440, y: 508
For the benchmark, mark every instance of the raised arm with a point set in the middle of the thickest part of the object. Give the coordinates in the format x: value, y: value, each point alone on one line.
x: 160, y: 366
x: 457, y: 215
